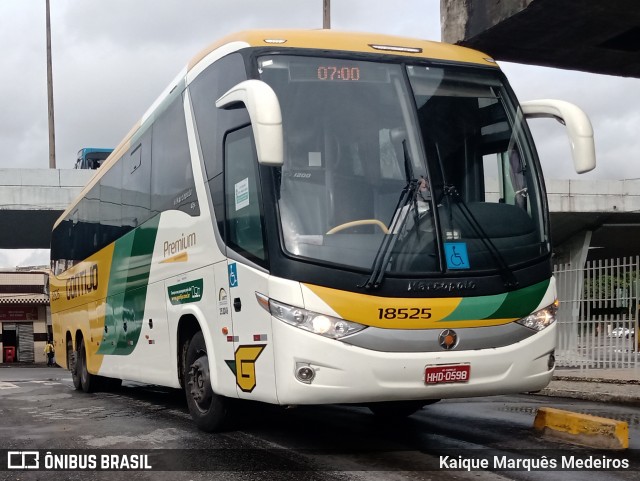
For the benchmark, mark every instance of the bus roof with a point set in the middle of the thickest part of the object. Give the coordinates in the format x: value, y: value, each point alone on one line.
x: 326, y: 40
x: 351, y: 42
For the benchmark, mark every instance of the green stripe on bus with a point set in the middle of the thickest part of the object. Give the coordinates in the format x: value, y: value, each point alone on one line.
x: 127, y: 293
x: 476, y: 307
x: 511, y: 305
x: 522, y: 302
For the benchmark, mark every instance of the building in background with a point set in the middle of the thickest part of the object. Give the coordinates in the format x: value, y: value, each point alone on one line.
x: 25, y: 320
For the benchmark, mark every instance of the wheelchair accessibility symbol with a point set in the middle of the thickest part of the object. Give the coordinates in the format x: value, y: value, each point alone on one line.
x: 233, y: 275
x: 456, y: 254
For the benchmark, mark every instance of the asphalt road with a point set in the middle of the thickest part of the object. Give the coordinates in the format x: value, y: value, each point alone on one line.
x: 40, y: 410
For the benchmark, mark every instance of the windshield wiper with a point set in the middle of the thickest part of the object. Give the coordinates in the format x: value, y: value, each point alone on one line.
x: 506, y: 273
x: 408, y: 195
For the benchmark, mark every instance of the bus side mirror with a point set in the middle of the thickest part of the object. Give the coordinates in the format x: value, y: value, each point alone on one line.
x: 266, y: 119
x: 578, y: 125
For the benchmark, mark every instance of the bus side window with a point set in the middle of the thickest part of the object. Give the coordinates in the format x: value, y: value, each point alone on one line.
x: 172, y: 183
x: 212, y: 122
x: 136, y: 184
x: 242, y: 196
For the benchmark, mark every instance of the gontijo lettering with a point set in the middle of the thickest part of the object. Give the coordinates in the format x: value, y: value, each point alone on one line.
x: 84, y: 282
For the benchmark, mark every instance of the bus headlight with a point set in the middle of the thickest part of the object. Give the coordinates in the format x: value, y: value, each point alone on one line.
x: 322, y: 324
x: 541, y: 319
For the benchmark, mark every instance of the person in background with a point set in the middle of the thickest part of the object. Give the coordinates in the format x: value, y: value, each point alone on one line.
x: 50, y: 352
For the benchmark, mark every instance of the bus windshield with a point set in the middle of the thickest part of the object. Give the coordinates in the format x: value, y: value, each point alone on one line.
x: 407, y: 169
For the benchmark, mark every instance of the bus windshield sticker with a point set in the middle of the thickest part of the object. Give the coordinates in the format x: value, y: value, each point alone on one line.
x: 223, y: 303
x: 185, y: 292
x: 233, y: 275
x: 456, y: 254
x: 315, y: 159
x: 242, y: 194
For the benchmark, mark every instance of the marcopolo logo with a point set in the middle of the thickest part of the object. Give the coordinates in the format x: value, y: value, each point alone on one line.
x: 186, y: 292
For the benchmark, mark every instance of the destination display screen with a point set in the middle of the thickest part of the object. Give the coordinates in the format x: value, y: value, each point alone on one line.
x: 332, y: 70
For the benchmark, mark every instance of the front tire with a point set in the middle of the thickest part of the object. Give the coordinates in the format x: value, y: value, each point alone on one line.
x: 207, y: 409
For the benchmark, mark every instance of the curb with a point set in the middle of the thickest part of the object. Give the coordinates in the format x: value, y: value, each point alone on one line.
x: 589, y: 396
x: 599, y: 380
x: 27, y: 365
x: 582, y: 429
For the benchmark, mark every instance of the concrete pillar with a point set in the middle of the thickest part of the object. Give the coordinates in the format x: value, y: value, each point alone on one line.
x: 39, y: 327
x: 462, y: 19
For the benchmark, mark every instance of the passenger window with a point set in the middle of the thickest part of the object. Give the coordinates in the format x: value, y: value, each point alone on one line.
x: 172, y: 183
x: 135, y: 159
x: 242, y: 196
x: 212, y: 122
x: 136, y: 185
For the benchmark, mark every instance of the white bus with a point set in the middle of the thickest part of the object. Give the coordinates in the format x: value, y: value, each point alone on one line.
x: 308, y: 217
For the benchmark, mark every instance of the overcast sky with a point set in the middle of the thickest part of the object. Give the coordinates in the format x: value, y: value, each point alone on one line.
x: 112, y: 58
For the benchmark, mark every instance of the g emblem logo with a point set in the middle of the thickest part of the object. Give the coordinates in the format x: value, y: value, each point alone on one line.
x: 244, y: 366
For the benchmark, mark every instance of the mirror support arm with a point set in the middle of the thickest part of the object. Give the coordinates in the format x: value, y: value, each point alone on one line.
x: 578, y: 126
x: 266, y: 118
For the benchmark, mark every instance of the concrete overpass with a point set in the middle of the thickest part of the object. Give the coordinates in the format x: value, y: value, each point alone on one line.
x: 594, y: 219
x: 589, y: 35
x: 30, y: 202
x: 590, y: 219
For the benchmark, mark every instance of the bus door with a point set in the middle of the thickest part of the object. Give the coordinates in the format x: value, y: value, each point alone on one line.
x: 253, y: 363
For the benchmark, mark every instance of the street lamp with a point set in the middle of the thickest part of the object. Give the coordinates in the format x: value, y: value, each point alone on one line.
x: 52, y: 135
x: 326, y: 14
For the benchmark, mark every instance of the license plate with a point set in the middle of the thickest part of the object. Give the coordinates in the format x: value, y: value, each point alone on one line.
x: 447, y: 373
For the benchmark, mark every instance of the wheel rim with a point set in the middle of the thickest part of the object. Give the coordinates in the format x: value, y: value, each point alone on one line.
x: 199, y: 384
x: 71, y: 365
x: 84, y: 374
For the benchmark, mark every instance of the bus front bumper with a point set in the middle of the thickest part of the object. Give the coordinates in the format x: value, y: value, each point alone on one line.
x: 343, y: 373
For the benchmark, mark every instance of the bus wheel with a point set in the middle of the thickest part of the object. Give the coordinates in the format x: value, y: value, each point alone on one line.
x: 207, y: 409
x: 397, y: 409
x: 87, y: 380
x: 72, y: 364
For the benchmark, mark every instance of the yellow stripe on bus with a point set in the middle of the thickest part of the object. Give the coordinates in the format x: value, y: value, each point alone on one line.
x: 80, y: 296
x: 182, y: 257
x: 397, y: 312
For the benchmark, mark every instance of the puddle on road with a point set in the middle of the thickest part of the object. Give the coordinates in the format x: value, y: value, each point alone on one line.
x: 64, y: 414
x: 38, y: 398
x: 157, y: 437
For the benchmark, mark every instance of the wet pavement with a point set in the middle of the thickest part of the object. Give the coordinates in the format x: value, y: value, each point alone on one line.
x: 40, y: 409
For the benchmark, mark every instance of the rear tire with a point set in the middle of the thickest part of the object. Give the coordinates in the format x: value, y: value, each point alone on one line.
x: 207, y: 409
x: 87, y: 381
x: 72, y: 365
